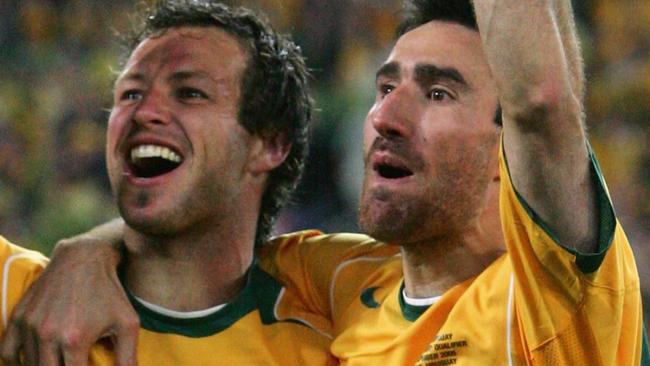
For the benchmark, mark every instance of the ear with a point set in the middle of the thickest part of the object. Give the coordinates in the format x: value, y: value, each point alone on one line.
x: 267, y: 153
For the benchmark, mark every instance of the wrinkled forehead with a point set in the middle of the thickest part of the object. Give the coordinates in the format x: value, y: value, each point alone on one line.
x: 444, y: 44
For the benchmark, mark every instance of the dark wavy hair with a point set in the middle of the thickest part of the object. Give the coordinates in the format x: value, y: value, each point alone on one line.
x: 275, y: 98
x: 420, y: 12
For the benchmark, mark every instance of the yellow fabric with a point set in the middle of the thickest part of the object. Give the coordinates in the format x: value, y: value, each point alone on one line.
x: 564, y: 316
x: 19, y: 269
x: 532, y: 306
x: 247, y: 341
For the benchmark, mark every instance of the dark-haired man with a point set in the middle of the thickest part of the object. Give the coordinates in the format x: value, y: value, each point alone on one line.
x: 565, y: 292
x: 438, y: 166
x: 205, y: 139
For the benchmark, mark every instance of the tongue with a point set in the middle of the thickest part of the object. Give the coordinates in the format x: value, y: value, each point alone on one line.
x: 153, y: 167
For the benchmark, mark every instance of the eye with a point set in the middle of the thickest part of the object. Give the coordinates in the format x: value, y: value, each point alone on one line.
x: 191, y: 93
x: 439, y: 95
x: 385, y: 89
x: 131, y: 94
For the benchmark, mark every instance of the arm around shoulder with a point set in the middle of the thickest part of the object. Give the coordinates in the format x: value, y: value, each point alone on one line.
x: 77, y: 300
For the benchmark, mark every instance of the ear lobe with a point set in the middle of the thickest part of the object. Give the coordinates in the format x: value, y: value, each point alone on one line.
x: 268, y: 153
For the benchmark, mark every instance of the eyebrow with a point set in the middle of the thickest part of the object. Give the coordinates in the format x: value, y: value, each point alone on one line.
x: 389, y: 70
x: 175, y: 77
x: 132, y: 76
x: 425, y: 74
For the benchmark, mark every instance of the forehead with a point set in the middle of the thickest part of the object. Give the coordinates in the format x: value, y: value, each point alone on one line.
x: 206, y: 49
x: 443, y: 44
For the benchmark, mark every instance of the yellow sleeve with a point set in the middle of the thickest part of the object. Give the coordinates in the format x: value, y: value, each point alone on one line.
x: 307, y: 263
x: 572, y: 308
x: 20, y: 267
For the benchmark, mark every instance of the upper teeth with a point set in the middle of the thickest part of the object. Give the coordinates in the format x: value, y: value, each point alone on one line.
x: 154, y: 151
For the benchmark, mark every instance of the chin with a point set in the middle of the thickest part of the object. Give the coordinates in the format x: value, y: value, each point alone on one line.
x: 383, y: 225
x: 149, y: 223
x: 143, y: 226
x: 399, y: 223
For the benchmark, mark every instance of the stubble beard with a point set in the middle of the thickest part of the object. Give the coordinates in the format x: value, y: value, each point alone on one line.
x: 161, y: 224
x: 189, y: 211
x: 397, y: 218
x: 442, y: 208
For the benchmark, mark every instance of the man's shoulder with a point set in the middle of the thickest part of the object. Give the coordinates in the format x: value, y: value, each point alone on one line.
x: 16, y: 259
x: 308, y: 243
x: 20, y: 267
x: 315, y: 239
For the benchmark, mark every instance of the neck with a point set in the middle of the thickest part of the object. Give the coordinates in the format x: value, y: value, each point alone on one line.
x: 189, y: 271
x: 433, y: 266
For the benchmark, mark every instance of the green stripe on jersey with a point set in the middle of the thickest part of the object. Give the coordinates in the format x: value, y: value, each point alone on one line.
x: 586, y: 262
x: 645, y: 353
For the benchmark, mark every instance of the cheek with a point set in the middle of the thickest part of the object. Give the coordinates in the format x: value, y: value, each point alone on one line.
x: 226, y: 145
x: 445, y: 148
x: 117, y: 122
x: 114, y: 131
x: 369, y: 134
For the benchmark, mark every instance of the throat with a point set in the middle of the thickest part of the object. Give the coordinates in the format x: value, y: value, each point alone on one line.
x: 184, y: 285
x: 433, y: 269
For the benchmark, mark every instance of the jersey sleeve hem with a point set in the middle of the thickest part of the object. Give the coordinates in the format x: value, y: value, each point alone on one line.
x: 645, y: 353
x: 586, y: 262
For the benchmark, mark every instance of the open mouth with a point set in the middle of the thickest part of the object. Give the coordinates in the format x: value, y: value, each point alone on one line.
x: 391, y: 171
x: 149, y: 161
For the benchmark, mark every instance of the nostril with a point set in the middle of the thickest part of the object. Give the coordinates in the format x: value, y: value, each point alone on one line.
x: 150, y: 116
x: 392, y: 133
x: 389, y: 125
x: 389, y: 133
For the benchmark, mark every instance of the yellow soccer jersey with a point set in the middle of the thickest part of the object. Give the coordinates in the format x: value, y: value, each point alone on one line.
x: 19, y: 269
x: 264, y: 325
x: 539, y: 304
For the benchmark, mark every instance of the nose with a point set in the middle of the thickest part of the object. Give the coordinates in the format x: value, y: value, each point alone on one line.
x: 394, y: 116
x: 152, y: 109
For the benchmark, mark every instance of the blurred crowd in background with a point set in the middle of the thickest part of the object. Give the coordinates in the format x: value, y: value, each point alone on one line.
x: 59, y: 58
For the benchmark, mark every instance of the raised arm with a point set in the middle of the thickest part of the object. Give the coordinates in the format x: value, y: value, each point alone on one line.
x: 77, y: 300
x: 534, y: 55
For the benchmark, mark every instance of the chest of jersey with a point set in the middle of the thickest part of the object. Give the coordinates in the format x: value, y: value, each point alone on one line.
x: 247, y: 342
x: 464, y: 327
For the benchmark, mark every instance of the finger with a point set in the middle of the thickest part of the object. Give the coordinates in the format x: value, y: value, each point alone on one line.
x: 48, y: 354
x: 14, y: 348
x: 74, y: 348
x: 31, y: 350
x: 11, y: 344
x: 126, y: 343
x: 77, y: 357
